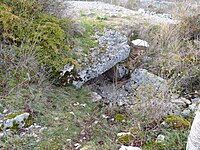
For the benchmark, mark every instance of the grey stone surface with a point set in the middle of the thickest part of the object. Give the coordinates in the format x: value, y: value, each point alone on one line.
x: 142, y: 78
x: 95, y: 97
x: 185, y: 113
x: 160, y: 138
x: 122, y: 92
x: 20, y: 120
x: 116, y: 50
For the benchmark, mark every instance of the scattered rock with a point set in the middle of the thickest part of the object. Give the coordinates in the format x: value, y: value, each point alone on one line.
x: 95, y: 97
x: 16, y: 121
x: 181, y: 102
x: 142, y: 78
x: 77, y: 145
x: 195, y: 100
x: 1, y: 134
x: 67, y: 68
x: 194, y: 107
x: 140, y: 43
x: 185, y: 113
x: 5, y: 111
x: 129, y: 148
x: 160, y: 138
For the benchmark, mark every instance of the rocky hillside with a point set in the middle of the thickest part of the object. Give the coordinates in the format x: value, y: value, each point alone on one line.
x: 95, y: 75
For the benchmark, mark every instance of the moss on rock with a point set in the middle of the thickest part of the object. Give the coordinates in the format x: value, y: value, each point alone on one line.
x: 119, y: 118
x: 16, y: 121
x: 125, y: 138
x: 176, y: 122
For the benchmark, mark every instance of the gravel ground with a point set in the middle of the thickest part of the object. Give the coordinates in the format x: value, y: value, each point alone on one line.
x: 77, y: 8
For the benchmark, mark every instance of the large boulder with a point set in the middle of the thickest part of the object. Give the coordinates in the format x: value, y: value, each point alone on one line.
x: 116, y: 49
x: 141, y: 78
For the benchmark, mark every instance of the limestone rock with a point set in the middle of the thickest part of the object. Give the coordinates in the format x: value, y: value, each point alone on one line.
x: 67, y: 68
x: 140, y: 43
x: 160, y: 138
x: 129, y: 148
x: 15, y: 121
x: 185, y: 113
x: 116, y: 50
x: 142, y: 78
x: 95, y: 97
x: 193, y: 107
x: 181, y: 102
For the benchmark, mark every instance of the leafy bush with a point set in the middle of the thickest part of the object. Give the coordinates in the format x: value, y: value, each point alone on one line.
x: 23, y: 22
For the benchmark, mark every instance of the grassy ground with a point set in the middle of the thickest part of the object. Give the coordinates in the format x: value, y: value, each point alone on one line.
x: 71, y: 117
x: 69, y: 114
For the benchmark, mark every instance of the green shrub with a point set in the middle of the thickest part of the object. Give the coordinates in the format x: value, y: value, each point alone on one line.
x: 176, y: 122
x: 22, y: 22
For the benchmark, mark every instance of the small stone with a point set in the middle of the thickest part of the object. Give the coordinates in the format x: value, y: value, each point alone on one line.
x: 164, y: 124
x: 67, y: 68
x: 5, y: 111
x: 68, y: 140
x: 129, y: 148
x: 160, y: 138
x: 95, y: 97
x: 186, y: 101
x: 83, y: 105
x: 140, y: 43
x: 42, y: 129
x: 1, y: 135
x: 193, y: 107
x: 105, y: 117
x: 181, y: 102
x: 185, y: 112
x: 72, y: 113
x: 77, y: 145
x: 123, y: 133
x: 195, y: 100
x: 96, y: 122
x: 76, y: 104
x: 56, y: 118
x: 18, y: 121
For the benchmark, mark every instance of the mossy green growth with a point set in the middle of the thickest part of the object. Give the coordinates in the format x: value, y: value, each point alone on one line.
x: 101, y: 18
x: 119, y: 118
x: 86, y: 41
x: 154, y: 146
x: 28, y: 122
x: 15, y: 126
x: 177, y: 122
x: 11, y: 116
x: 125, y: 139
x: 23, y: 23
